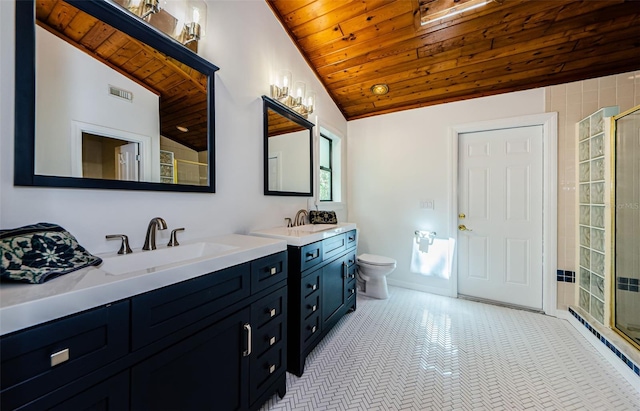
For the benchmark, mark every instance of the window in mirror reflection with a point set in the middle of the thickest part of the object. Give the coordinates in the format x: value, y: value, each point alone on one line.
x: 326, y: 174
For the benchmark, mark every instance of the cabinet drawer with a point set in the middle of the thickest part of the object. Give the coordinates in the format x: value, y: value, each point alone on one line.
x: 310, y: 255
x: 269, y: 308
x: 265, y: 370
x: 310, y: 328
x: 333, y: 246
x: 268, y: 336
x: 351, y: 258
x: 111, y: 394
x: 162, y: 312
x: 268, y: 271
x: 310, y: 284
x: 352, y: 238
x: 310, y: 305
x: 350, y: 290
x: 38, y: 360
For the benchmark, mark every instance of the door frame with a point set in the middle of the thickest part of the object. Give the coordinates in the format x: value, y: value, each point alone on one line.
x: 549, y: 123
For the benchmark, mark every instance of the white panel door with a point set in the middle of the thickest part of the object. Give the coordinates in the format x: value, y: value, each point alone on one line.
x: 127, y: 162
x: 500, y: 181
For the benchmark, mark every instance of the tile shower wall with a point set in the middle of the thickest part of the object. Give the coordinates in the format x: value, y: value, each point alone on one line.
x: 573, y: 102
x: 592, y: 164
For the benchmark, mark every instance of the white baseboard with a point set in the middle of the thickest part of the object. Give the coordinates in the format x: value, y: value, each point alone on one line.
x: 419, y: 287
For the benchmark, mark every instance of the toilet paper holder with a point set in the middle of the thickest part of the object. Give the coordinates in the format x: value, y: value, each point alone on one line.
x: 424, y: 239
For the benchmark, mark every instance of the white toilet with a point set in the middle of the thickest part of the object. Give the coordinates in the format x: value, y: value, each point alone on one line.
x: 372, y: 274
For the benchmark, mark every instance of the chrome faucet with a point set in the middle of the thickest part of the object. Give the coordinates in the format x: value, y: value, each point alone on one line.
x: 150, y: 238
x: 300, y: 218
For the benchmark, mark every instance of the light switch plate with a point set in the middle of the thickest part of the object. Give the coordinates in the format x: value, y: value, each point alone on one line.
x: 427, y: 204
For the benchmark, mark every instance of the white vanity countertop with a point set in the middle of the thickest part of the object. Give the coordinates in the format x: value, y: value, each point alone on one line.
x: 306, y: 234
x: 24, y: 305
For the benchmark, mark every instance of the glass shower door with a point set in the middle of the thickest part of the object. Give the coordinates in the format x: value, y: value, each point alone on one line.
x: 626, y: 262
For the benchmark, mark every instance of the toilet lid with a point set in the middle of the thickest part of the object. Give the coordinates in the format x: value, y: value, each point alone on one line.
x: 376, y: 259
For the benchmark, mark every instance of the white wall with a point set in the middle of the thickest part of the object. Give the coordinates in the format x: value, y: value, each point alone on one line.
x: 398, y: 160
x: 248, y: 44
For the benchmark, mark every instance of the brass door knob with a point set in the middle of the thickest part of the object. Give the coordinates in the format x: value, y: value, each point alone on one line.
x: 461, y: 216
x: 463, y: 227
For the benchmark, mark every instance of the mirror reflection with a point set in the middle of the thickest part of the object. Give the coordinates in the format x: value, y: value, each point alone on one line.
x: 110, y: 106
x: 288, y: 151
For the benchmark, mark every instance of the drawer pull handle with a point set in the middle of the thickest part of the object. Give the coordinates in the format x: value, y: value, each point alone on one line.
x: 272, y: 340
x: 59, y: 357
x: 272, y: 312
x: 314, y: 308
x: 273, y: 270
x: 247, y: 328
x: 351, y: 238
x: 272, y: 369
x: 352, y: 291
x: 351, y: 262
x: 313, y: 254
x: 313, y: 329
x: 313, y: 286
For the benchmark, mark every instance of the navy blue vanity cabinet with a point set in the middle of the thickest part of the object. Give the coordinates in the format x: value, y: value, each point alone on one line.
x: 231, y: 352
x: 55, y: 361
x: 213, y: 342
x: 322, y: 289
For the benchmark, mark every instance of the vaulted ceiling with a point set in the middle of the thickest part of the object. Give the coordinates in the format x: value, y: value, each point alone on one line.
x: 501, y: 47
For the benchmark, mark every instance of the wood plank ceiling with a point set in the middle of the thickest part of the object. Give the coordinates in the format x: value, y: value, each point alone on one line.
x: 516, y: 45
x: 182, y: 90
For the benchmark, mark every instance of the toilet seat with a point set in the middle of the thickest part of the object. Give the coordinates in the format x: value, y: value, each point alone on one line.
x: 376, y: 260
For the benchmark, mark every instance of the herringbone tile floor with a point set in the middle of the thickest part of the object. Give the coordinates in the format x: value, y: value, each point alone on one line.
x: 418, y: 351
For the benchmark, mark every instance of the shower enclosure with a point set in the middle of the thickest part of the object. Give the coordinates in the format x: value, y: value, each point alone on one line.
x: 626, y: 223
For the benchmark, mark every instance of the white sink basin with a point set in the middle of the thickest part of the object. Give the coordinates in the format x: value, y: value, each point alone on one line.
x: 313, y: 228
x: 156, y: 259
x: 305, y: 234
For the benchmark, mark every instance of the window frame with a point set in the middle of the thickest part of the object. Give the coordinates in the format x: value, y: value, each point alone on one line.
x: 329, y: 169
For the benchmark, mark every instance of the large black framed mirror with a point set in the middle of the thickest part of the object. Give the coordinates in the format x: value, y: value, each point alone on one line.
x: 103, y: 100
x: 288, y: 151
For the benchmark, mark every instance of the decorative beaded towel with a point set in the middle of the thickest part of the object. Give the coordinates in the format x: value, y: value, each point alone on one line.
x: 322, y: 217
x: 39, y: 252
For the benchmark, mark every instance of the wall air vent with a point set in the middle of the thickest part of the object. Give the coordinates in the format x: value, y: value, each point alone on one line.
x: 118, y: 92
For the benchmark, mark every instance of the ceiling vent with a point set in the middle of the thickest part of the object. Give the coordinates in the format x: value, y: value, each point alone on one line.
x: 118, y: 92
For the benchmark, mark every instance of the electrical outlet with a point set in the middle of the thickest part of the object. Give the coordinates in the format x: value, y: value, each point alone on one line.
x: 427, y: 204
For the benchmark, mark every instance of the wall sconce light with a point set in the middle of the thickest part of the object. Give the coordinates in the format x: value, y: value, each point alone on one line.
x: 195, y: 22
x: 299, y: 90
x: 280, y: 86
x: 183, y: 20
x: 149, y: 7
x: 293, y: 95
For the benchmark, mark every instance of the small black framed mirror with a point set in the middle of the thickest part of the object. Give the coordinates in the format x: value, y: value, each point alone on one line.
x: 288, y: 151
x: 104, y: 100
